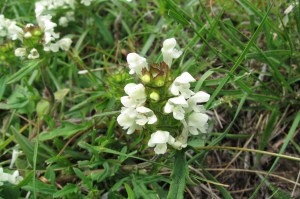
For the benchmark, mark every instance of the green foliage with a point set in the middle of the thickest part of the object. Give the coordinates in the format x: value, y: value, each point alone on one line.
x: 244, y: 53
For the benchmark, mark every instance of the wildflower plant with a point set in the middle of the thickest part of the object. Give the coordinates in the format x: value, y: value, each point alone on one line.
x: 165, y: 108
x: 75, y: 124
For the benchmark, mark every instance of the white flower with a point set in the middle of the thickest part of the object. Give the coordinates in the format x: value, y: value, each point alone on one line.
x: 54, y: 47
x: 34, y: 54
x: 48, y: 37
x: 136, y: 63
x: 144, y: 116
x: 86, y: 2
x: 176, y: 105
x: 45, y: 23
x: 14, y: 31
x: 136, y: 95
x: 3, y: 31
x: 181, y: 85
x: 169, y: 52
x: 196, y: 100
x: 14, y: 178
x: 289, y: 9
x: 27, y: 35
x: 135, y: 118
x: 29, y: 25
x: 127, y: 120
x: 15, y: 155
x: 197, y: 123
x: 20, y: 52
x: 70, y: 16
x: 8, y: 28
x: 65, y: 43
x: 159, y: 140
x: 63, y: 21
x: 39, y: 8
x: 46, y: 5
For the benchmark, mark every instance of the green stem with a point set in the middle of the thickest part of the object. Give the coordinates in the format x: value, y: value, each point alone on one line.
x: 178, y: 176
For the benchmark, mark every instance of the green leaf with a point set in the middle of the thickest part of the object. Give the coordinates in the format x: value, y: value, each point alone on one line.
x: 178, y: 176
x: 42, y: 107
x: 2, y: 86
x: 197, y: 142
x: 66, y: 131
x: 129, y: 191
x: 60, y: 94
x: 41, y: 187
x: 269, y: 53
x: 28, y: 147
x: 9, y: 191
x: 141, y: 191
x: 103, y: 30
x: 67, y: 190
x: 23, y: 72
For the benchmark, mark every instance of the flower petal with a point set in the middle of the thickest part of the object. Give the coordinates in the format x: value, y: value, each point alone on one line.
x: 160, y: 148
x: 160, y: 137
x: 168, y: 108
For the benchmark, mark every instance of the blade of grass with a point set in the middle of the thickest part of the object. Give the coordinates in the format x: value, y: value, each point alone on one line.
x: 178, y: 176
x: 282, y: 149
x: 240, y: 59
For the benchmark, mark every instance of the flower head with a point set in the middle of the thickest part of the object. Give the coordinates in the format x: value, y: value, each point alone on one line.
x: 181, y: 85
x: 136, y: 63
x: 14, y: 178
x: 159, y: 140
x: 176, y: 105
x: 144, y: 116
x: 135, y: 118
x: 65, y: 43
x: 34, y: 54
x: 20, y: 52
x: 127, y: 119
x: 136, y: 95
x: 197, y: 123
x: 196, y: 100
x: 169, y: 52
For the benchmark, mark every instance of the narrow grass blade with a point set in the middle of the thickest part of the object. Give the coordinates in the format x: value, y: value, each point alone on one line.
x: 240, y: 59
x: 178, y: 176
x: 282, y: 149
x: 23, y: 72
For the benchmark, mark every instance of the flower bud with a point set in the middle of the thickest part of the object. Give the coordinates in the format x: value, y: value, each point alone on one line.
x: 37, y: 33
x: 155, y: 96
x: 159, y: 81
x: 146, y: 78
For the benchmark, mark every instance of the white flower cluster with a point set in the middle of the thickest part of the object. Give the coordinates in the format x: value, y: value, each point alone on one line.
x: 50, y: 40
x: 45, y: 5
x: 14, y: 178
x: 185, y: 105
x: 47, y: 26
x: 134, y: 115
x: 9, y: 28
